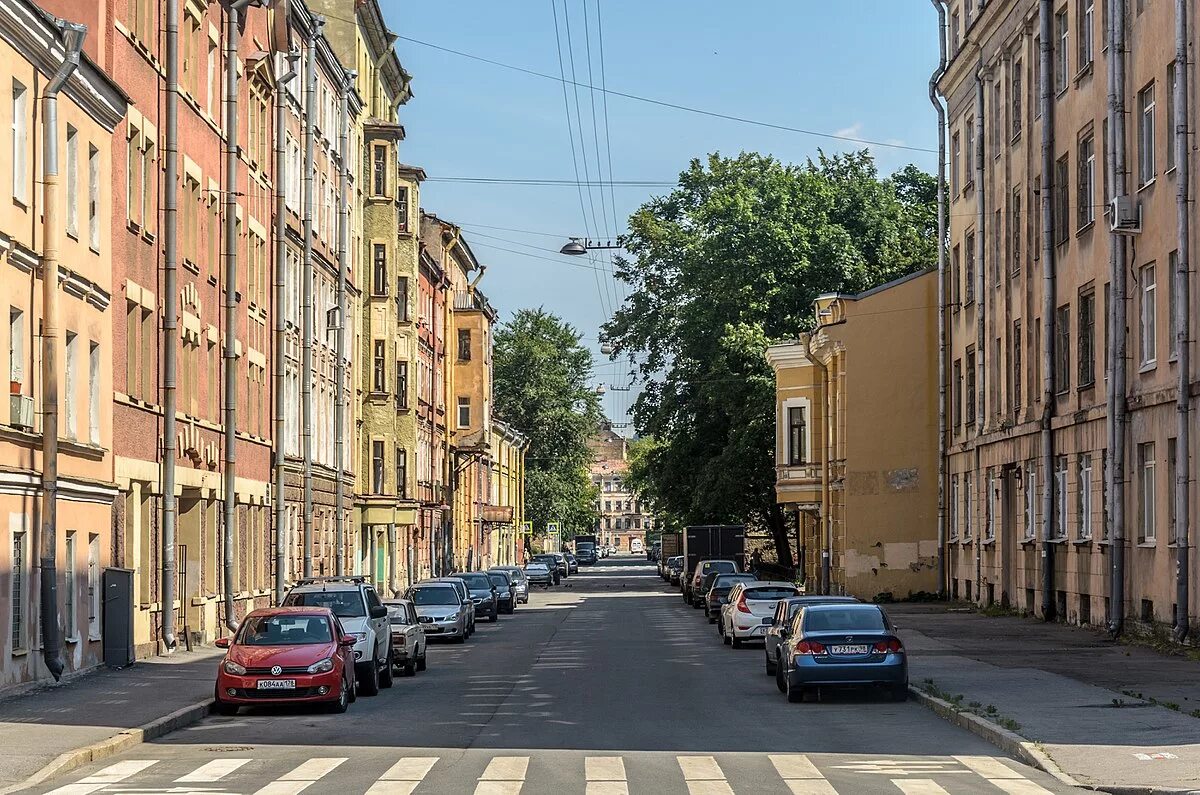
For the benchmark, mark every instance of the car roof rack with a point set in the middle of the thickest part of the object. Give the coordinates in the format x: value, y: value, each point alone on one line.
x: 357, y: 579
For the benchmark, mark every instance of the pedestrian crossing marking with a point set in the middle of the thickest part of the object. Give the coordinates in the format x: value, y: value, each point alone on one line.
x: 301, y: 777
x: 801, y: 775
x: 709, y: 787
x: 1020, y: 787
x: 404, y: 776
x: 604, y: 768
x: 112, y: 774
x: 506, y: 768
x: 498, y: 787
x: 212, y: 771
x: 919, y: 786
x: 989, y: 767
x: 700, y: 768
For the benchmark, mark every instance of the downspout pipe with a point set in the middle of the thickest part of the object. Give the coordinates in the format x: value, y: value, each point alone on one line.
x: 940, y: 109
x: 1045, y: 93
x: 170, y: 323
x: 826, y: 497
x: 232, y: 43
x: 279, y: 290
x: 306, y: 292
x: 981, y: 299
x: 1117, y: 323
x: 343, y: 253
x: 73, y: 35
x: 1182, y: 323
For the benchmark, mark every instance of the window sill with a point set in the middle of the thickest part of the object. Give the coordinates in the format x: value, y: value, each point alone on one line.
x: 1173, y: 358
x: 1147, y: 184
x: 94, y: 637
x: 1016, y: 139
x: 1170, y: 172
x: 1080, y: 542
x: 20, y: 652
x: 988, y: 542
x: 71, y: 639
x: 1086, y: 226
x: 1151, y: 544
x: 1059, y: 540
x: 1088, y: 387
x: 1029, y: 541
x: 1086, y: 71
x: 1148, y: 367
x: 1062, y: 92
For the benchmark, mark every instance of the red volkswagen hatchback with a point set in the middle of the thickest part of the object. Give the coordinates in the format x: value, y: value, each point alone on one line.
x: 286, y: 655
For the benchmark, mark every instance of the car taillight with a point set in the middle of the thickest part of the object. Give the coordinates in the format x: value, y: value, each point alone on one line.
x: 810, y: 647
x: 892, y: 645
x: 741, y: 604
x: 399, y: 640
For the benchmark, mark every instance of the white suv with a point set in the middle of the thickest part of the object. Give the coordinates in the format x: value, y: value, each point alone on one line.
x: 751, y: 609
x: 356, y: 604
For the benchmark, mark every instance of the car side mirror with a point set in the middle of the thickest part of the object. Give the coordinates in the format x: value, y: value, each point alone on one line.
x: 378, y: 611
x: 347, y: 641
x: 223, y: 643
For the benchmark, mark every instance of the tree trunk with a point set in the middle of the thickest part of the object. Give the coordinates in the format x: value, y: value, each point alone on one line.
x: 777, y: 521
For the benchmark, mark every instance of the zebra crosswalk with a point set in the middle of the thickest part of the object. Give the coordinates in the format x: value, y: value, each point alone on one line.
x: 484, y: 773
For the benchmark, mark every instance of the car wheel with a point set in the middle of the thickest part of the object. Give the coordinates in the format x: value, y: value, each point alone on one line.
x: 461, y: 638
x: 721, y: 628
x: 736, y: 642
x: 769, y: 663
x: 223, y: 707
x: 342, y: 703
x: 421, y: 662
x: 900, y: 692
x: 369, y: 684
x: 410, y: 668
x: 780, y: 682
x: 495, y: 616
x: 794, y: 694
x: 386, y: 677
x: 725, y: 638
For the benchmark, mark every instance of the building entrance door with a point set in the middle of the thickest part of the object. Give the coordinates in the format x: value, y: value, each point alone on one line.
x: 1008, y: 541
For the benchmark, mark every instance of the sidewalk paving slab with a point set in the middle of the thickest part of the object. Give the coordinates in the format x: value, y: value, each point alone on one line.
x: 1068, y: 688
x: 106, y: 709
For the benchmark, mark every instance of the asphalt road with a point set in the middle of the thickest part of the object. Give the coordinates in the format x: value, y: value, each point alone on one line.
x: 607, y: 684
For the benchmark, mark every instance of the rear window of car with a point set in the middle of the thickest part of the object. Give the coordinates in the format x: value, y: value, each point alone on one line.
x: 478, y: 581
x: 344, y: 604
x: 834, y: 619
x: 769, y: 593
x: 499, y: 578
x: 723, y: 566
x: 727, y: 581
x: 537, y: 568
x: 398, y: 614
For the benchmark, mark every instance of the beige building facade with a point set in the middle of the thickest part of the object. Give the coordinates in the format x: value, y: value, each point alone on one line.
x: 623, y: 516
x: 856, y: 444
x: 1027, y: 519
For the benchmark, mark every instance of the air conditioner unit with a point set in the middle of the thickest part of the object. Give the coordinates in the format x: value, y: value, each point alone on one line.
x: 1126, y: 215
x: 21, y: 411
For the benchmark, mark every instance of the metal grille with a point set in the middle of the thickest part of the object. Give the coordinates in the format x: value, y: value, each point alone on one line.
x: 18, y: 589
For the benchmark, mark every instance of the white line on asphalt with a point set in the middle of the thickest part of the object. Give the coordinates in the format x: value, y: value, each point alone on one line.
x: 605, y: 775
x: 506, y: 768
x: 988, y: 766
x: 919, y: 786
x: 703, y: 775
x: 213, y: 771
x: 301, y: 777
x: 1020, y: 787
x: 801, y: 775
x: 103, y: 777
x: 404, y: 776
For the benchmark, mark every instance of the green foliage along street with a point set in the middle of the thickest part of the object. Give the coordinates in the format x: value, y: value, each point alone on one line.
x: 729, y: 261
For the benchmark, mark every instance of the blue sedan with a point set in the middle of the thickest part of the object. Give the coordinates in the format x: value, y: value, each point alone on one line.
x: 843, y: 645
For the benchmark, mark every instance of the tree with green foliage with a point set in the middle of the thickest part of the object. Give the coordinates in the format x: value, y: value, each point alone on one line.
x: 729, y: 261
x: 541, y: 372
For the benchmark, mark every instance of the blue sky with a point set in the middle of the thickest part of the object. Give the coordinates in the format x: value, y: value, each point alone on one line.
x: 853, y: 67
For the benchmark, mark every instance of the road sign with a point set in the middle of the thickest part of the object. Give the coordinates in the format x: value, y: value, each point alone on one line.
x: 552, y: 528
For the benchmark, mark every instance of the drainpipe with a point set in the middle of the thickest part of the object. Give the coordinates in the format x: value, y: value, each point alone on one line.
x: 1045, y: 92
x: 1116, y: 323
x: 981, y: 266
x: 826, y: 499
x: 306, y: 293
x: 339, y: 406
x: 940, y: 6
x: 393, y: 551
x: 1182, y: 321
x: 170, y: 329
x: 72, y: 35
x: 280, y: 313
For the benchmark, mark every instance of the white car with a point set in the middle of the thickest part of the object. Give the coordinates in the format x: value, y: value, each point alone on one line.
x: 751, y: 609
x: 408, y: 637
x: 354, y: 601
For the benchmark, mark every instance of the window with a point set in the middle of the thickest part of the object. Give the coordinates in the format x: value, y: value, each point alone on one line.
x: 464, y: 412
x: 1017, y: 365
x: 956, y: 277
x: 1147, y: 319
x: 379, y: 369
x: 1017, y: 231
x: 969, y: 494
x: 20, y: 143
x: 969, y: 274
x: 402, y: 299
x: 954, y: 502
x: 401, y: 472
x: 93, y: 197
x: 969, y: 159
x: 1062, y: 349
x: 955, y: 36
x: 464, y: 344
x: 69, y: 618
x: 402, y: 208
x: 1087, y: 36
x: 402, y: 384
x: 1036, y: 83
x: 797, y: 435
x: 1018, y: 97
x: 1107, y: 325
x: 16, y: 347
x: 377, y: 467
x: 970, y: 403
x: 1171, y: 80
x: 958, y: 393
x: 72, y: 181
x: 379, y: 278
x: 18, y: 592
x: 1146, y: 517
x: 1172, y: 309
x: 1146, y: 135
x: 955, y: 164
x: 379, y: 171
x: 989, y: 528
x: 1060, y: 496
x: 1061, y: 54
x: 1083, y: 502
x: 1087, y: 338
x: 1087, y: 180
x: 1030, y: 501
x: 70, y: 368
x: 1104, y: 494
x: 1172, y: 529
x: 93, y: 586
x: 1062, y: 198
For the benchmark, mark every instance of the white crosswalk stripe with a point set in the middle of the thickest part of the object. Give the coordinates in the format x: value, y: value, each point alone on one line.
x: 800, y: 775
x: 504, y: 775
x: 919, y: 786
x: 301, y: 777
x: 1001, y: 775
x: 212, y: 771
x: 703, y: 775
x: 113, y: 774
x: 605, y: 775
x: 404, y: 776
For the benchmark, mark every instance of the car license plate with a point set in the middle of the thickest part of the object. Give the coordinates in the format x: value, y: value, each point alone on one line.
x: 276, y: 684
x: 856, y: 649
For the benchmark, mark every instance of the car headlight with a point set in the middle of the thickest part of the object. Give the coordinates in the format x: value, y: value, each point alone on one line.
x: 359, y: 636
x: 451, y: 617
x: 233, y: 668
x: 321, y: 666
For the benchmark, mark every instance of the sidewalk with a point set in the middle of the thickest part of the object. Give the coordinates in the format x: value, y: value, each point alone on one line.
x: 38, y: 727
x: 1087, y: 702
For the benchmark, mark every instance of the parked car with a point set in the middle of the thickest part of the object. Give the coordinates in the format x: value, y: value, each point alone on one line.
x: 602, y: 552
x: 674, y: 569
x: 560, y: 561
x: 506, y: 592
x: 572, y: 563
x: 408, y: 636
x: 716, y: 587
x: 538, y: 573
x: 551, y: 562
x: 440, y: 610
x: 464, y: 591
x: 286, y: 655
x: 781, y: 622
x: 483, y: 594
x: 749, y: 603
x: 843, y: 645
x: 356, y: 604
x: 691, y: 583
x: 587, y: 556
x: 520, y: 581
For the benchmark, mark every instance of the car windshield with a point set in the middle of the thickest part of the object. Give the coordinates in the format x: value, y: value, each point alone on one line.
x: 839, y: 619
x: 398, y: 614
x: 537, y: 568
x: 516, y: 574
x: 479, y: 582
x: 284, y: 630
x: 344, y: 604
x: 444, y: 595
x: 727, y: 581
x: 779, y: 592
x: 499, y: 579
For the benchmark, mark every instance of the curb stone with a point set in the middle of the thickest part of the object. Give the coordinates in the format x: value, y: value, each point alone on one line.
x: 1017, y: 746
x: 117, y: 743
